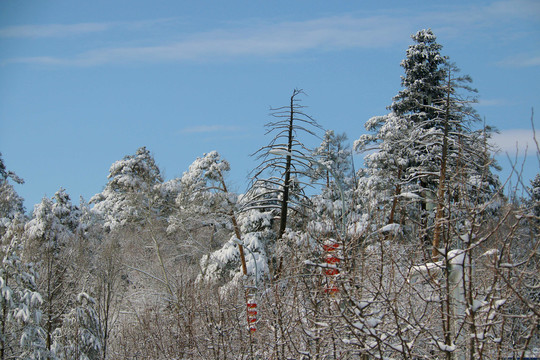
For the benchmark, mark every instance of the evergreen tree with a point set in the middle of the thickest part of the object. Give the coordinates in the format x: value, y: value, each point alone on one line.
x: 383, y: 182
x: 204, y: 206
x: 204, y: 191
x: 428, y: 134
x: 132, y: 193
x: 49, y: 235
x: 79, y: 337
x: 423, y: 79
x: 22, y: 336
x: 10, y: 202
x: 256, y: 227
x: 423, y: 86
x: 335, y: 208
x: 534, y: 191
x: 335, y: 154
x: 403, y: 162
x: 6, y: 174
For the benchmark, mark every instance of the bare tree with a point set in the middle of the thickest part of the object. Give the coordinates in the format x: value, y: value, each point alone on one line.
x: 283, y: 162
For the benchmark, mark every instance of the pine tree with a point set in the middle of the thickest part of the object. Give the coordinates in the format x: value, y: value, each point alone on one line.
x: 383, y: 183
x: 204, y: 191
x: 10, y: 202
x: 207, y: 200
x: 20, y: 303
x: 534, y: 191
x: 49, y: 235
x: 132, y: 193
x: 80, y: 336
x: 256, y: 227
x: 333, y: 153
x: 6, y: 174
x: 423, y: 84
x: 334, y: 208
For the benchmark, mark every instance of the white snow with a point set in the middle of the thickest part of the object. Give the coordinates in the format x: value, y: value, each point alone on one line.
x: 390, y: 228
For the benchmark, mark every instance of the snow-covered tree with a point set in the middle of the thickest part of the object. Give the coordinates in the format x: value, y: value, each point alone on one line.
x: 534, y: 191
x: 422, y: 81
x: 429, y: 133
x: 255, y: 227
x: 283, y: 159
x: 6, y: 174
x: 80, y: 336
x: 22, y: 336
x: 99, y: 260
x: 10, y: 202
x: 402, y: 157
x: 204, y: 191
x: 49, y: 235
x: 132, y: 193
x: 283, y: 164
x: 204, y: 211
x: 205, y: 194
x: 333, y: 158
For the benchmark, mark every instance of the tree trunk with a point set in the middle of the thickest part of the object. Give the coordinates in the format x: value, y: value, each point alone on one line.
x: 395, y: 201
x: 442, y: 178
x: 285, y: 201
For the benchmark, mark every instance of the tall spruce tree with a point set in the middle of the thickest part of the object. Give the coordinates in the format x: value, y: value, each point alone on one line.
x: 428, y: 130
x: 400, y: 164
x: 423, y: 80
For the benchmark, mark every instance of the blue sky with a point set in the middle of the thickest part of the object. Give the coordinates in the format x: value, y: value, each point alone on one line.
x: 84, y: 83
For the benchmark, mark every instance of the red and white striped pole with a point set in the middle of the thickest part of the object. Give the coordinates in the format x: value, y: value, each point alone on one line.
x: 331, y: 271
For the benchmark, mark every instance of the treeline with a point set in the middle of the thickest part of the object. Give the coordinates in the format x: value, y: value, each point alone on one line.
x: 416, y: 255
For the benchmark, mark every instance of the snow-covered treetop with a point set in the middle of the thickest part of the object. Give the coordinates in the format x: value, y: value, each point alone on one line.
x: 10, y: 202
x: 333, y: 153
x: 65, y: 211
x: 5, y: 174
x: 210, y: 167
x: 132, y: 191
x: 54, y: 218
x: 134, y: 172
x: 423, y: 77
x: 534, y: 191
x: 202, y: 192
x: 535, y: 188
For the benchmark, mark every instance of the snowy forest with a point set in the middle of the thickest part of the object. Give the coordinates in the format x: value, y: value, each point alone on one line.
x: 419, y: 253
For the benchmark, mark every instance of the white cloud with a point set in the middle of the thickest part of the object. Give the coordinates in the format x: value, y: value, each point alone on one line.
x: 515, y: 8
x: 523, y: 60
x: 52, y: 30
x: 65, y: 30
x: 340, y: 32
x: 493, y: 102
x: 263, y: 39
x: 515, y: 141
